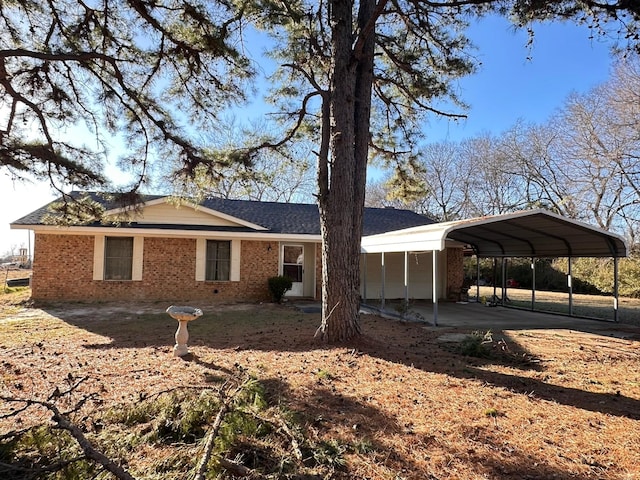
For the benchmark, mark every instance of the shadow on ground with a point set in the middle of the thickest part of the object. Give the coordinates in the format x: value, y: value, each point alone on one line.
x: 271, y: 327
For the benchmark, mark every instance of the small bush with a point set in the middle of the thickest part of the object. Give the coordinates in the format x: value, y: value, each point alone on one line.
x: 477, y: 344
x: 278, y: 286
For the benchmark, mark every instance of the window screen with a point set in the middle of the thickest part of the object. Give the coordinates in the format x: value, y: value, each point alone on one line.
x: 218, y: 260
x: 118, y: 258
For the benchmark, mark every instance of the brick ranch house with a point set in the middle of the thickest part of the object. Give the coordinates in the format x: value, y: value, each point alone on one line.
x: 219, y: 250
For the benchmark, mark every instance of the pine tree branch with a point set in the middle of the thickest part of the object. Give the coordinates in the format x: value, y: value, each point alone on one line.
x: 89, y: 450
x: 62, y: 422
x: 227, y: 400
x: 238, y: 469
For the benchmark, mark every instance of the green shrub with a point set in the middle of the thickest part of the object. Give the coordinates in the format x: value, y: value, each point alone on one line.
x: 477, y: 344
x: 278, y: 286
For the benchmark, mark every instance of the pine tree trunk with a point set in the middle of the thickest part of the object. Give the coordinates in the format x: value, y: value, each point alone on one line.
x: 341, y: 202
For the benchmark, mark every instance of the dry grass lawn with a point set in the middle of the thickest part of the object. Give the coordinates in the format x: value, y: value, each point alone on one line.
x: 548, y: 404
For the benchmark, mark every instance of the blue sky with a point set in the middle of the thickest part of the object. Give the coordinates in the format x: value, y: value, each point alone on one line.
x: 506, y: 88
x: 509, y: 87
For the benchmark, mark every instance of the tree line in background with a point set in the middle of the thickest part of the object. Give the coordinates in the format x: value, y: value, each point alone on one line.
x: 592, y: 276
x: 583, y: 163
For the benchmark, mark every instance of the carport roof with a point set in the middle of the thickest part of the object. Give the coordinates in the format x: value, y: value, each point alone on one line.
x: 531, y: 233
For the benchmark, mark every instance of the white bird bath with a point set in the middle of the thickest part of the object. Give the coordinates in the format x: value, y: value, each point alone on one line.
x: 183, y: 315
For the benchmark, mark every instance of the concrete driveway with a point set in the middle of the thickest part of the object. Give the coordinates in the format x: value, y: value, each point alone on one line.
x: 476, y: 316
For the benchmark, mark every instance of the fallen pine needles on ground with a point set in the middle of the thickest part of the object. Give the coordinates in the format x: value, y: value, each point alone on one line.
x: 267, y: 401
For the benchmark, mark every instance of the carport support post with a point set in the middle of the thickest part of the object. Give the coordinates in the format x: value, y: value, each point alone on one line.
x: 477, y: 278
x: 615, y: 289
x: 495, y: 274
x: 406, y: 281
x: 569, y: 284
x: 382, y: 286
x: 364, y: 273
x: 434, y: 292
x: 503, y: 274
x: 533, y: 283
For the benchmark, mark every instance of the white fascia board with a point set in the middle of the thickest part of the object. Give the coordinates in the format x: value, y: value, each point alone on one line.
x: 404, y: 246
x: 422, y: 238
x: 231, y: 218
x: 173, y: 233
x: 194, y: 206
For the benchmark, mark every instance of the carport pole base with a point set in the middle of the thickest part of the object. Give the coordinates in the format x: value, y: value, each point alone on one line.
x: 180, y: 349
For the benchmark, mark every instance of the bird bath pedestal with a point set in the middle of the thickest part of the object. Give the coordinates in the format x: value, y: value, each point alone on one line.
x: 183, y: 315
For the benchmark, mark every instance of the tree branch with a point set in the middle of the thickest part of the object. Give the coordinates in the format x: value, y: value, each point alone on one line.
x: 227, y: 399
x: 91, y: 452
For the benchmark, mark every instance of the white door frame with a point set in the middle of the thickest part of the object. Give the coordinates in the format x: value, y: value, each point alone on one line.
x: 297, y: 287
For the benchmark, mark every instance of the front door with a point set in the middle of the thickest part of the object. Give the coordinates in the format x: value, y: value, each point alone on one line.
x: 293, y: 267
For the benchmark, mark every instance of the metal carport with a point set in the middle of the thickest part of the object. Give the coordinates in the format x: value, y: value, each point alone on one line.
x: 530, y: 233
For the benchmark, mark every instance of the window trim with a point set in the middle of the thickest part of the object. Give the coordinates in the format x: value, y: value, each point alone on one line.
x: 201, y: 260
x: 99, y: 253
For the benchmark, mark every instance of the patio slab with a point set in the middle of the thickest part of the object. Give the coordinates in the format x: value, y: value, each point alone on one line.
x: 477, y: 316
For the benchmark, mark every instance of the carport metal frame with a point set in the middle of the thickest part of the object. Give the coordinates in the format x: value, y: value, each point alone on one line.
x: 526, y: 234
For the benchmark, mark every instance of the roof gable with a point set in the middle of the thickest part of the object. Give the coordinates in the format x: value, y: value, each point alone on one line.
x: 162, y: 211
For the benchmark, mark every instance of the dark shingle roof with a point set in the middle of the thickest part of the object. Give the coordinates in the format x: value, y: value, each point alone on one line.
x: 285, y: 218
x: 37, y: 217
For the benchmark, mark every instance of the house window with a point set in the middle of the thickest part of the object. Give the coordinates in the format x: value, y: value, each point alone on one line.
x: 118, y: 258
x: 218, y: 260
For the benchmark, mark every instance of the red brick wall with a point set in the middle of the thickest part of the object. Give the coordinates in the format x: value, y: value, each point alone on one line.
x: 455, y: 268
x: 63, y: 270
x: 62, y: 267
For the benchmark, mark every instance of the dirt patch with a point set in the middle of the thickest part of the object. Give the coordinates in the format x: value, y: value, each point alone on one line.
x: 544, y: 404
